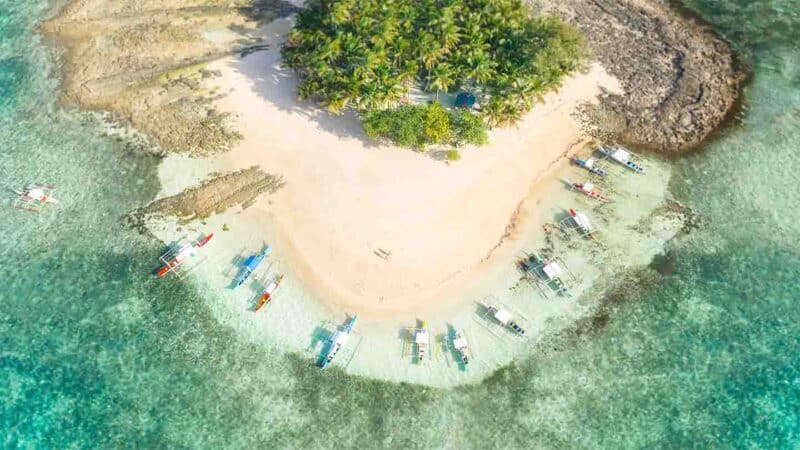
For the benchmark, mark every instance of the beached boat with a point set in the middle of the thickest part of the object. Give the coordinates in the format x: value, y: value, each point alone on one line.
x: 34, y: 197
x: 623, y: 157
x: 176, y: 256
x: 504, y: 318
x: 460, y: 344
x: 337, y: 341
x: 581, y: 221
x: 588, y: 189
x: 268, y: 291
x: 590, y: 164
x: 250, y: 265
x: 421, y: 339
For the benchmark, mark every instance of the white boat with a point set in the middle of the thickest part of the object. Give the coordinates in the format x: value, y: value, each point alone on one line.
x: 421, y: 339
x: 623, y: 157
x: 504, y: 318
x: 460, y: 344
x: 581, y: 220
x: 337, y: 341
x: 33, y: 197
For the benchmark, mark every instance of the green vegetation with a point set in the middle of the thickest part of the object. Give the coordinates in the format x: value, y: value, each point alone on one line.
x: 417, y: 126
x: 367, y: 54
x: 453, y: 155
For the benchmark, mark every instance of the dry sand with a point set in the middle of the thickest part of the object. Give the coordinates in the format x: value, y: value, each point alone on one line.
x: 346, y: 199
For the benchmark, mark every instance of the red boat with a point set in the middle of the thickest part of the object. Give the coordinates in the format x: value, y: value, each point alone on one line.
x: 587, y: 189
x: 177, y: 256
x: 265, y: 298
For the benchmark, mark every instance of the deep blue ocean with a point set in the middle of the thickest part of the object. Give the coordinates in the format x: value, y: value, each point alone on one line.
x: 701, y: 350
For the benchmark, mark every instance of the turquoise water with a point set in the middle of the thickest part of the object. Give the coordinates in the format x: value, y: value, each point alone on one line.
x: 703, y: 352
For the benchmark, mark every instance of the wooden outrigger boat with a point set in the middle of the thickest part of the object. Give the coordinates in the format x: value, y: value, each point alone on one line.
x: 581, y: 222
x: 421, y: 339
x: 588, y: 189
x: 268, y: 291
x: 250, y: 266
x: 504, y: 318
x: 590, y: 165
x: 337, y: 341
x: 178, y: 255
x: 34, y: 197
x: 623, y: 157
x: 460, y: 345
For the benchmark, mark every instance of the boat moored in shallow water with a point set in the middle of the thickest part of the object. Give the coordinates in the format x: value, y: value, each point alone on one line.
x: 421, y: 339
x: 34, y: 197
x: 250, y: 266
x: 338, y: 340
x: 623, y: 157
x: 460, y: 344
x: 504, y: 318
x: 590, y: 164
x: 582, y: 222
x: 177, y: 255
x: 268, y: 291
x: 588, y: 189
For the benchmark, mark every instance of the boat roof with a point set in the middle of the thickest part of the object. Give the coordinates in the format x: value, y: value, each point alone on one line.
x: 588, y: 186
x: 621, y: 155
x: 421, y: 337
x: 589, y: 162
x: 460, y: 342
x: 502, y: 316
x: 582, y: 219
x: 552, y: 270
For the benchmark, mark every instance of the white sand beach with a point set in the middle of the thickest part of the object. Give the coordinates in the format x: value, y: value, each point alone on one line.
x: 379, y: 230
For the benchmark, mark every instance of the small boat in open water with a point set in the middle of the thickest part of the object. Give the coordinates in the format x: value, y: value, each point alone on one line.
x: 176, y: 256
x: 34, y: 197
x: 623, y: 157
x: 590, y: 165
x: 268, y: 291
x: 588, y: 190
x: 337, y: 341
x: 250, y: 266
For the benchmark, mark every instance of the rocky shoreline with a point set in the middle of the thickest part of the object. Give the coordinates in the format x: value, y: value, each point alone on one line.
x: 680, y: 80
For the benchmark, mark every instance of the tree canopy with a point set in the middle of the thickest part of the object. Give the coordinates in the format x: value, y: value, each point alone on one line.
x: 367, y: 54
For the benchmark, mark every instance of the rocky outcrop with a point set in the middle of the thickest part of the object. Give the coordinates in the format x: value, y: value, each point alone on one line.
x: 680, y: 79
x: 143, y: 60
x: 212, y: 196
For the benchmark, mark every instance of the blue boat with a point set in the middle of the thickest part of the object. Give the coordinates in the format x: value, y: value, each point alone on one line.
x: 337, y: 341
x: 589, y: 164
x: 250, y: 266
x: 623, y: 157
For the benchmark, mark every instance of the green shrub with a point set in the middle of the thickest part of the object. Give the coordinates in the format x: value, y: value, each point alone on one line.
x: 417, y: 126
x: 453, y: 155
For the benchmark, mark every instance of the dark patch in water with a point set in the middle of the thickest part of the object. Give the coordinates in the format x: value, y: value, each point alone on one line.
x: 663, y: 264
x: 12, y: 74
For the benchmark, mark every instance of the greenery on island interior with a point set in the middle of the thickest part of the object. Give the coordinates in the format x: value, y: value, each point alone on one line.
x: 417, y: 126
x: 367, y: 55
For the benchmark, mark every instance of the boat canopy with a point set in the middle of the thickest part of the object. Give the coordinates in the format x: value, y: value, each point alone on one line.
x: 460, y: 343
x: 582, y: 220
x: 621, y: 155
x: 589, y: 163
x: 552, y: 270
x: 421, y: 337
x: 502, y: 316
x: 588, y: 186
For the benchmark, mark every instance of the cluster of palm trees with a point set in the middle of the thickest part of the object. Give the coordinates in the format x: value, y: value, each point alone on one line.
x: 367, y: 54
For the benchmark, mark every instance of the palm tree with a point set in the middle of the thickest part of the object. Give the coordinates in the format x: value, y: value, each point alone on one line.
x: 441, y: 78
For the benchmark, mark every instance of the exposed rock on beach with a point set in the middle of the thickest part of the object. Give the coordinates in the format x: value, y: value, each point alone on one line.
x: 143, y: 61
x: 680, y: 79
x: 212, y: 196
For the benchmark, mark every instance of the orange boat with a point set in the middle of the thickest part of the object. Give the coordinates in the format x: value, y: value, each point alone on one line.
x: 270, y: 289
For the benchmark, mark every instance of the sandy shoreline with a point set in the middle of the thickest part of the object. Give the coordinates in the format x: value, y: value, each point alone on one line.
x: 347, y: 199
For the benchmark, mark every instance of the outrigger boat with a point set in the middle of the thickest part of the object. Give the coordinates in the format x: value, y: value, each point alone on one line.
x: 504, y: 318
x: 421, y: 339
x: 548, y: 273
x: 581, y: 221
x: 460, y: 344
x: 176, y: 256
x: 268, y: 291
x: 250, y: 265
x: 623, y: 157
x: 587, y: 189
x: 337, y: 341
x: 34, y: 197
x: 589, y: 164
